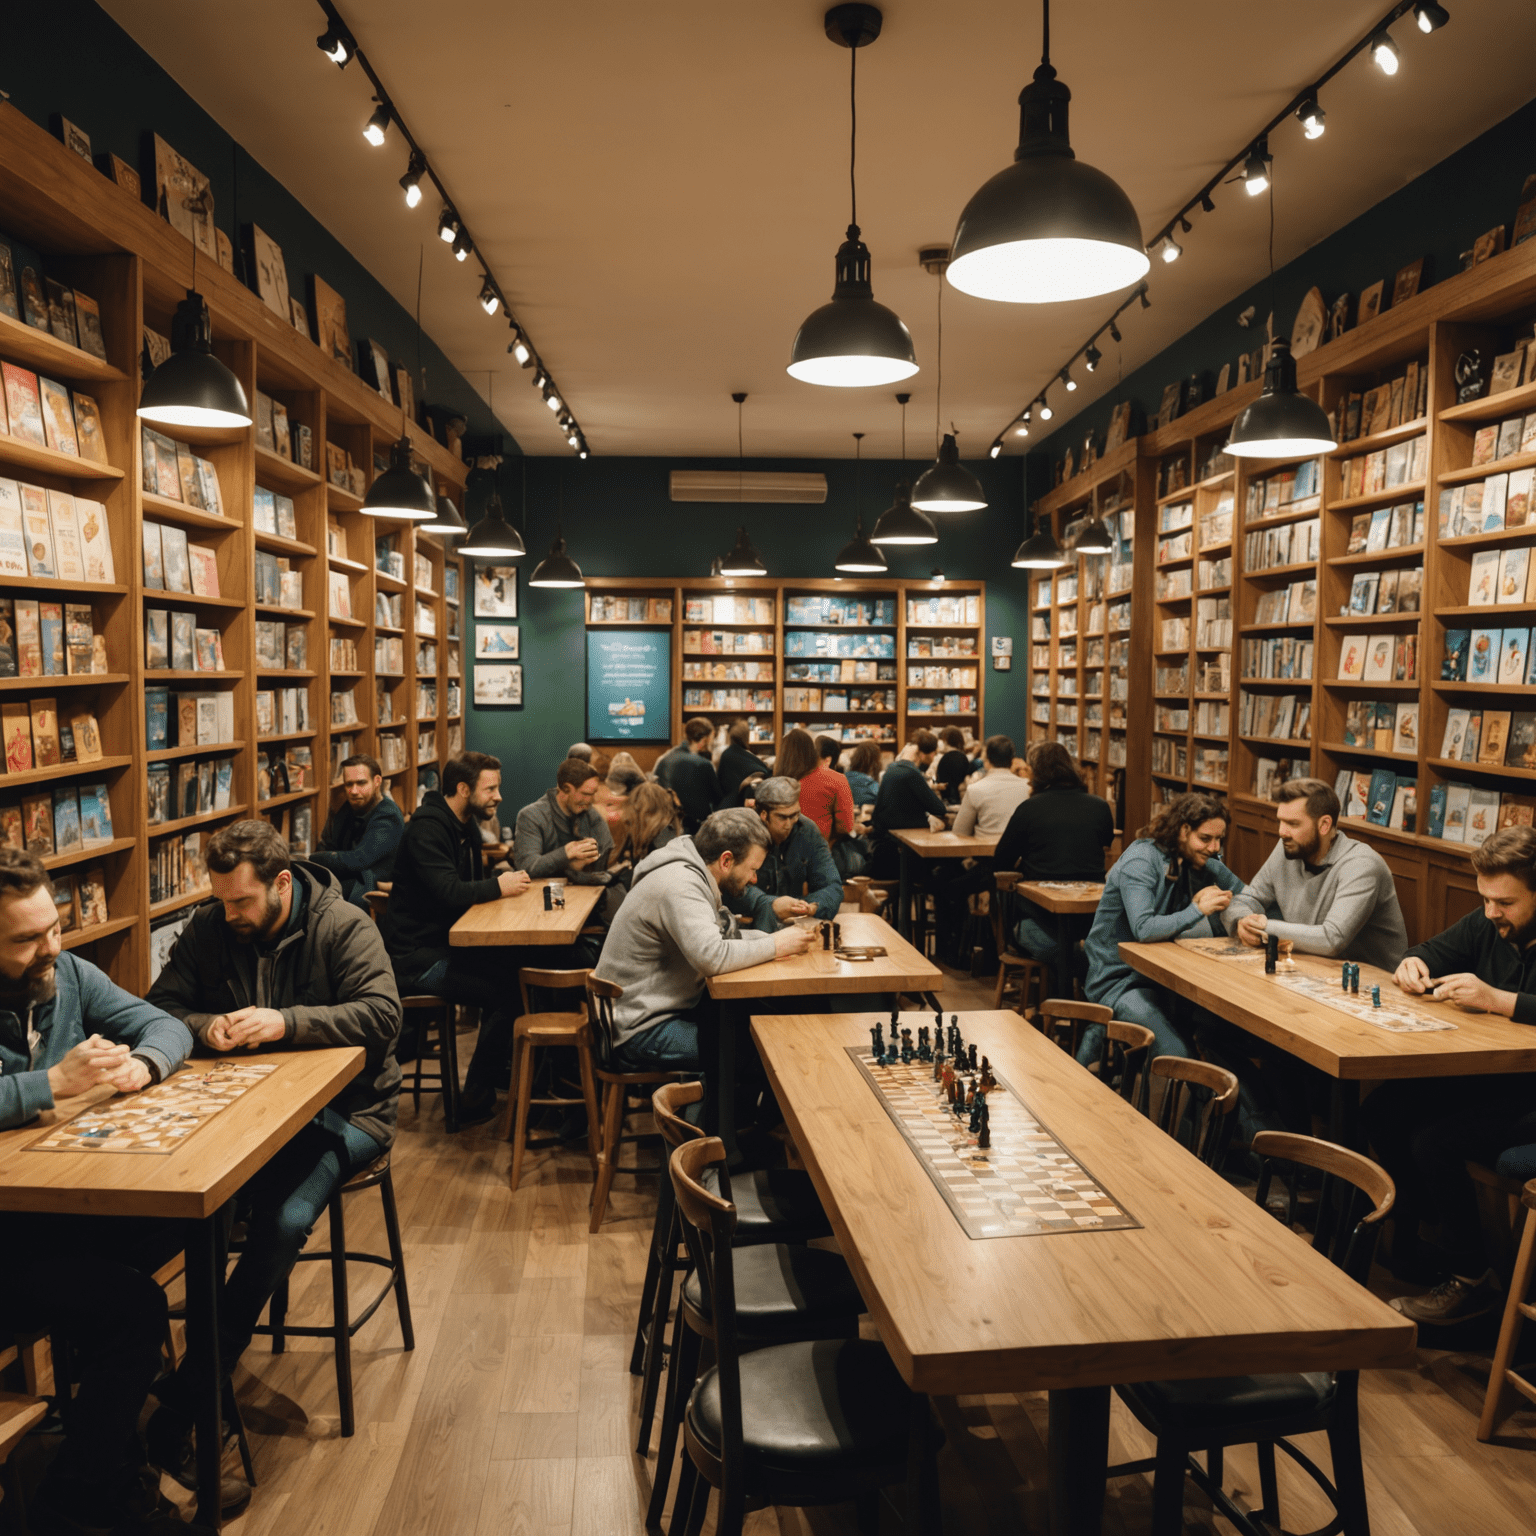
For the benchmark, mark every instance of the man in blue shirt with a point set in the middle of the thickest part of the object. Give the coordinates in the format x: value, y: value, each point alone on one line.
x: 64, y: 1030
x: 797, y: 877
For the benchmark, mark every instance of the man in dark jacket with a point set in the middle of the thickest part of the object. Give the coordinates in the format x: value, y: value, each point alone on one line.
x: 65, y: 1029
x: 361, y: 836
x: 738, y: 761
x: 561, y: 836
x: 906, y: 801
x: 1426, y: 1130
x: 279, y: 959
x: 797, y: 877
x: 439, y: 876
x: 687, y: 771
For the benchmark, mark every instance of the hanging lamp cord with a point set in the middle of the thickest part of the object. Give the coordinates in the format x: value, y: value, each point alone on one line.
x: 1045, y: 46
x: 1271, y: 259
x: 853, y: 136
x: 938, y: 394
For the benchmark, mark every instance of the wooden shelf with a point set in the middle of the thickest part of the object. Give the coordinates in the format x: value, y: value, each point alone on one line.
x: 185, y: 823
x: 1340, y: 748
x: 1278, y: 745
x: 55, y: 359
x: 279, y: 474
x: 346, y: 623
x: 83, y: 936
x: 273, y: 801
x: 1370, y: 620
x: 1513, y: 402
x: 1350, y: 682
x: 1497, y: 770
x: 1407, y: 491
x: 1524, y: 690
x: 298, y: 672
x: 64, y: 771
x: 1283, y: 572
x: 340, y: 500
x: 1358, y: 445
x: 1376, y: 556
x: 279, y: 612
x: 16, y: 454
x: 1471, y: 475
x: 177, y: 903
x: 189, y: 674
x: 1485, y: 610
x: 86, y: 855
x: 1492, y: 536
x: 342, y: 563
x: 153, y: 595
x: 48, y: 681
x: 1280, y: 519
x: 52, y: 584
x: 166, y: 754
x: 190, y: 517
x: 262, y: 741
x: 281, y: 546
x: 1257, y: 629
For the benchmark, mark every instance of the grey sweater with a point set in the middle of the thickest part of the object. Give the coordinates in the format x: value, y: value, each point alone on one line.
x: 670, y: 935
x: 1346, y: 907
x: 543, y: 830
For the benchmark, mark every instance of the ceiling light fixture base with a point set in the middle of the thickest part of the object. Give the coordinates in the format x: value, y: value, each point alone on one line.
x: 853, y: 26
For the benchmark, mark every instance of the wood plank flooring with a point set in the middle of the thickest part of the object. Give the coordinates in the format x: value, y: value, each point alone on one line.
x: 513, y: 1415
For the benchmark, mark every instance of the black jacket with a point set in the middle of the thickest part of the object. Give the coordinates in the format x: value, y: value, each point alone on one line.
x: 439, y: 876
x: 692, y: 778
x: 736, y: 763
x: 1059, y: 834
x: 331, y: 981
x: 362, y: 847
x: 1474, y: 945
x: 905, y: 800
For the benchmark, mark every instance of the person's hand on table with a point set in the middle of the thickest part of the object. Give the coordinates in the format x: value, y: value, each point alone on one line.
x: 1250, y: 928
x: 1412, y: 976
x: 1211, y: 898
x: 133, y: 1075
x: 581, y: 852
x: 247, y: 1027
x: 791, y: 941
x: 786, y: 907
x: 89, y: 1063
x: 1473, y: 993
x: 936, y: 823
x: 513, y: 882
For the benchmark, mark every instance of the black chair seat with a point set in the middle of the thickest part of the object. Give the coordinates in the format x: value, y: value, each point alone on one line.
x: 773, y: 1205
x: 1193, y: 1409
x: 810, y: 1408
x: 781, y: 1288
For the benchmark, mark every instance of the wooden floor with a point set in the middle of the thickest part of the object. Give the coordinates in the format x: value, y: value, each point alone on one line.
x: 512, y: 1416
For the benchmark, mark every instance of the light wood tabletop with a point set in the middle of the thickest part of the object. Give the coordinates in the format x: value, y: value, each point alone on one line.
x: 523, y: 920
x: 201, y: 1174
x: 1209, y: 1284
x: 1336, y: 1042
x: 1074, y: 898
x: 900, y: 969
x: 945, y: 845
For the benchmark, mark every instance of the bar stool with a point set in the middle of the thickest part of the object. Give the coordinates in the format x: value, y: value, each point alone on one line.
x: 343, y: 1325
x: 19, y: 1411
x: 1032, y: 976
x: 533, y: 1032
x: 1518, y: 1309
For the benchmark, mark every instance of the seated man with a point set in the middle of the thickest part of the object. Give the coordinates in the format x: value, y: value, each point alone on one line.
x: 797, y: 877
x: 439, y: 876
x: 279, y: 959
x: 1168, y: 884
x: 687, y: 771
x: 738, y: 761
x: 905, y: 801
x: 674, y: 931
x: 562, y: 836
x: 954, y: 765
x: 65, y: 1029
x: 360, y: 837
x: 1425, y: 1130
x: 993, y: 798
x: 1334, y: 896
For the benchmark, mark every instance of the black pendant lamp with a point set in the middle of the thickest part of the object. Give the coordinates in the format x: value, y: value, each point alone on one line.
x: 400, y: 491
x: 447, y: 522
x: 1282, y: 423
x: 946, y: 485
x: 901, y: 522
x: 557, y: 569
x: 1048, y: 228
x: 1039, y: 551
x: 859, y: 557
x: 493, y: 537
x: 743, y: 560
x: 1092, y: 537
x: 852, y: 342
x: 192, y: 388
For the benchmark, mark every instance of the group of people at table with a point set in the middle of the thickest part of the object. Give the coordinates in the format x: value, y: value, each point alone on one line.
x: 708, y: 865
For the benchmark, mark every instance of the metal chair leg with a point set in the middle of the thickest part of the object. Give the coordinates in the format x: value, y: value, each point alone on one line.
x: 397, y: 1261
x: 341, y: 1316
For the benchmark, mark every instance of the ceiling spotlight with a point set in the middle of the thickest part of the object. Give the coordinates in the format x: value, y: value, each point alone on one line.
x: 520, y: 349
x: 1045, y: 411
x: 574, y: 439
x: 447, y: 226
x: 461, y: 245
x: 541, y: 379
x: 1022, y: 430
x: 1206, y: 204
x: 1256, y: 167
x: 410, y: 183
x: 1312, y: 118
x: 552, y: 399
x: 377, y: 125
x: 1430, y: 17
x: 1172, y: 250
x: 1146, y: 303
x: 336, y: 46
x: 1068, y: 380
x: 1384, y: 52
x: 996, y: 449
x: 1114, y: 332
x: 490, y: 300
x: 1092, y: 358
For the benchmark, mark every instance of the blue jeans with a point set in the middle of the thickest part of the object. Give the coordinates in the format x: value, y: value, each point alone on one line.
x: 1152, y: 1007
x: 670, y: 1046
x: 1036, y: 941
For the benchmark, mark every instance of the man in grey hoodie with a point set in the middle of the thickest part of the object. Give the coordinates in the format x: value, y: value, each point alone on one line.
x: 674, y: 931
x: 1335, y: 897
x: 561, y: 836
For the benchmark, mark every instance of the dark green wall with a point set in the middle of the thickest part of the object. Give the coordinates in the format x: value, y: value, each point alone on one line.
x: 1437, y: 215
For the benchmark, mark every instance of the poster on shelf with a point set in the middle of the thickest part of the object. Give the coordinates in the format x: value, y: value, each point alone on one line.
x: 629, y: 685
x: 495, y: 591
x: 498, y: 685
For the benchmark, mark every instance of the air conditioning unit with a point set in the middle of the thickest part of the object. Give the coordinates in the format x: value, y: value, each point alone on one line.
x: 753, y: 485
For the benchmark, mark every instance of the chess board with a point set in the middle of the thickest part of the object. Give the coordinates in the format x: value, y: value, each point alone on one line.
x: 1069, y: 887
x: 158, y: 1120
x: 1222, y: 949
x: 1025, y: 1184
x: 1391, y: 1016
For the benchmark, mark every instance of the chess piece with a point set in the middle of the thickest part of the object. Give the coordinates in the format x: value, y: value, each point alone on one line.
x: 947, y: 1078
x: 1271, y: 954
x: 1344, y: 977
x: 826, y: 935
x: 906, y: 1047
x: 984, y: 1131
x: 1376, y: 997
x: 837, y: 935
x: 971, y: 1058
x: 1354, y: 979
x: 988, y: 1082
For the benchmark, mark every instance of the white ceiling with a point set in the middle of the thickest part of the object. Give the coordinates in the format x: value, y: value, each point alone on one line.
x: 660, y: 188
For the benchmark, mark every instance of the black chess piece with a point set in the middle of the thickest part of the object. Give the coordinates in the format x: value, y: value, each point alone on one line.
x: 906, y: 1046
x: 876, y: 1044
x: 971, y: 1058
x: 984, y: 1131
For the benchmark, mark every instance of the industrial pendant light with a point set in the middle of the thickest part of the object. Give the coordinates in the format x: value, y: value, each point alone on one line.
x: 852, y: 341
x: 901, y: 522
x: 400, y: 491
x: 447, y: 522
x: 1282, y: 423
x: 493, y: 537
x: 192, y: 388
x: 1093, y: 538
x: 743, y: 559
x: 858, y: 556
x: 557, y: 569
x: 1039, y: 551
x: 1048, y: 228
x: 946, y: 485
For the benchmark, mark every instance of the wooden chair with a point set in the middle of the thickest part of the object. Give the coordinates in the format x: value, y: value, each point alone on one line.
x: 1204, y: 1093
x: 1499, y: 1211
x: 1263, y: 1411
x: 601, y: 996
x: 1518, y: 1309
x: 870, y: 895
x: 534, y: 1032
x: 1127, y: 1059
x: 1066, y: 1022
x: 816, y: 1421
x: 343, y: 1325
x: 19, y: 1411
x: 1032, y: 976
x: 441, y: 1016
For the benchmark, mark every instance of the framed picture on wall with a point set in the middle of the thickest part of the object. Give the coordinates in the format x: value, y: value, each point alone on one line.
x: 495, y: 591
x: 498, y: 685
x: 497, y: 641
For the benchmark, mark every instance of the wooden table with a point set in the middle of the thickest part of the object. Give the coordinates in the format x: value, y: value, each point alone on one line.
x: 189, y: 1185
x: 1075, y: 899
x: 1208, y: 1285
x: 815, y: 973
x: 523, y: 920
x: 1349, y: 1050
x: 924, y: 844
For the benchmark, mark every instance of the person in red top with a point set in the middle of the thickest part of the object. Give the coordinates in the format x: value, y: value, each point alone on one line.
x: 824, y: 793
